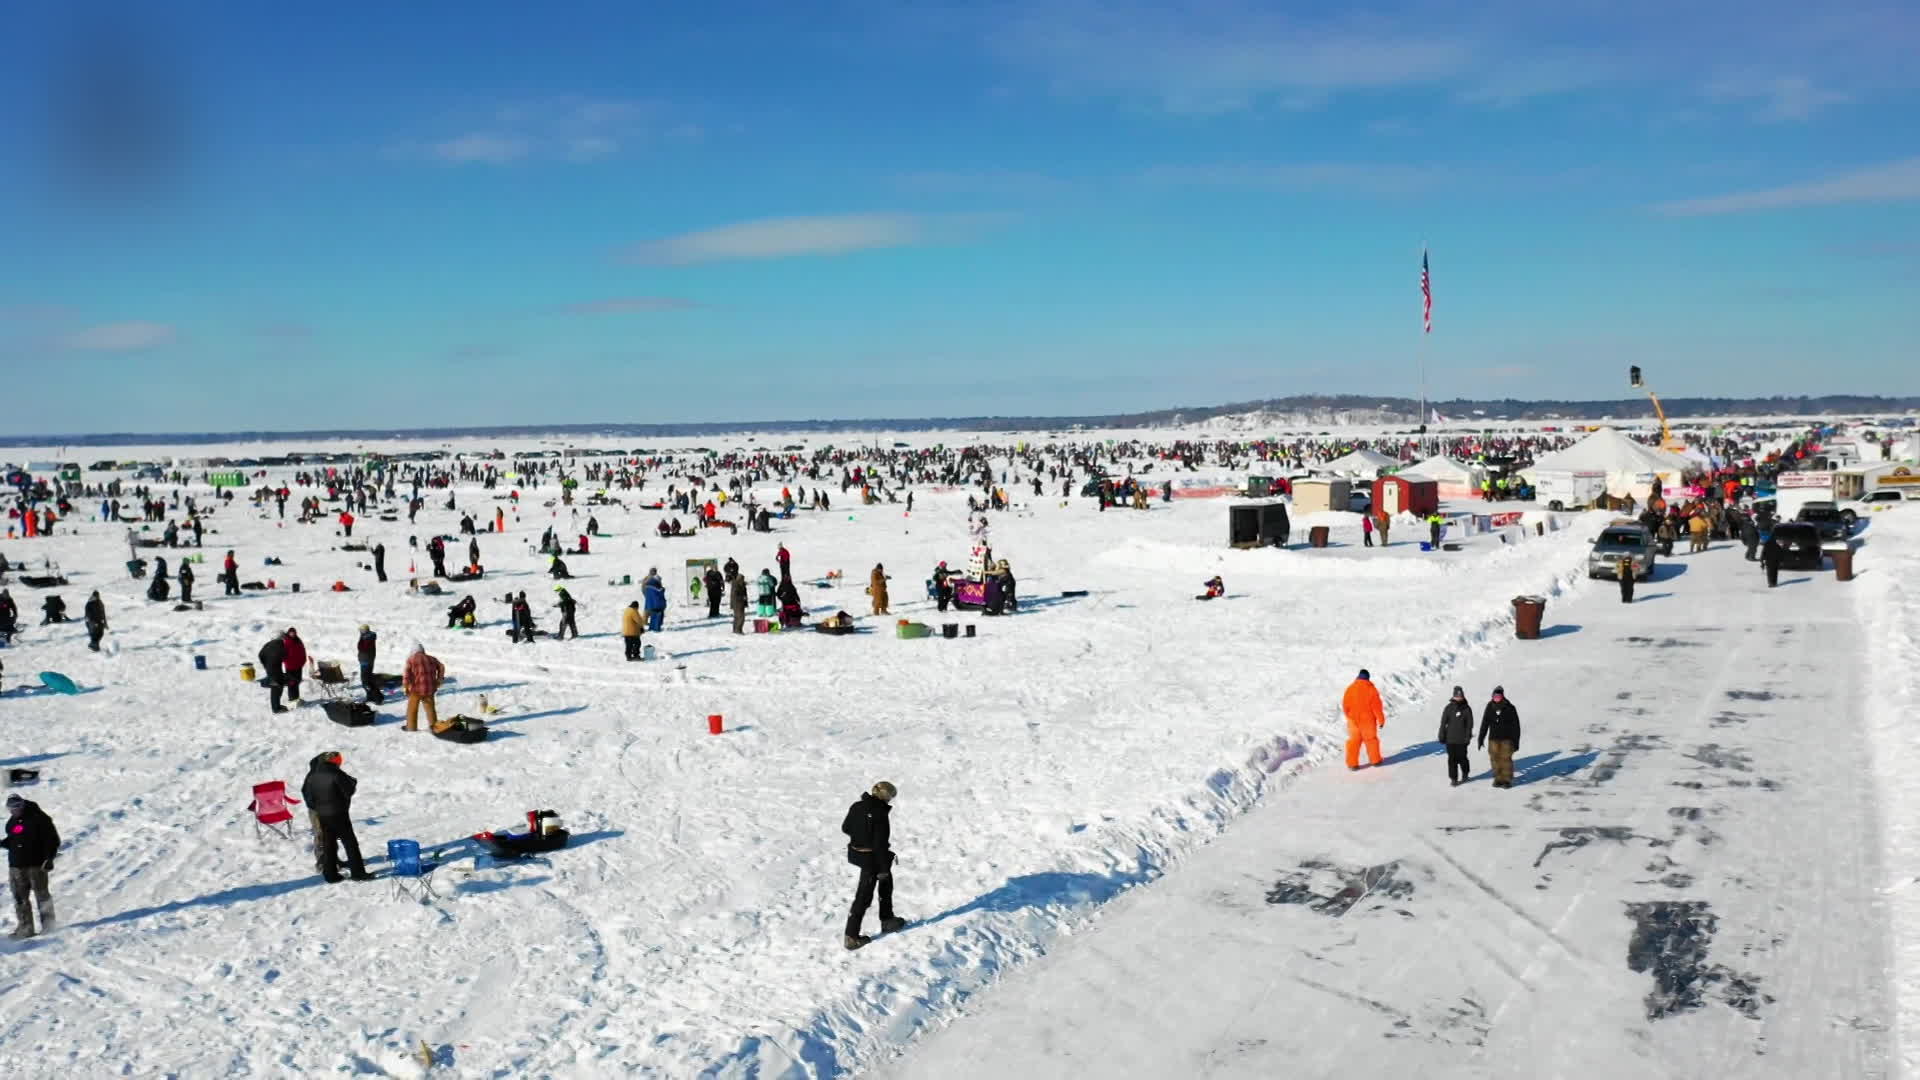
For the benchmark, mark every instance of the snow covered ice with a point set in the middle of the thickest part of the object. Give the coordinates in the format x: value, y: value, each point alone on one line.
x: 1700, y: 873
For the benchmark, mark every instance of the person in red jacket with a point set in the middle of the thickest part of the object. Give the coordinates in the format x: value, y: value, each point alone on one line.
x: 346, y: 523
x: 231, y: 575
x: 293, y: 662
x: 1365, y: 717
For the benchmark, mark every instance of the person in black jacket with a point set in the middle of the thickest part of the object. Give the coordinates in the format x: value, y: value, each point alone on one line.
x: 9, y: 615
x: 31, y: 842
x: 186, y: 582
x: 366, y: 648
x: 1500, y: 725
x: 522, y: 615
x: 716, y: 587
x: 1771, y: 556
x: 1456, y: 732
x: 568, y: 605
x: 273, y: 656
x: 328, y: 790
x: 379, y: 554
x: 459, y: 612
x: 53, y: 610
x: 96, y: 612
x: 869, y: 848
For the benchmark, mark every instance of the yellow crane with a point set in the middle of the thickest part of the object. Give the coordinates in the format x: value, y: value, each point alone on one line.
x: 1668, y: 441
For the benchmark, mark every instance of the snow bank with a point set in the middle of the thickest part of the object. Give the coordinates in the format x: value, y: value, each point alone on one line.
x: 1887, y: 593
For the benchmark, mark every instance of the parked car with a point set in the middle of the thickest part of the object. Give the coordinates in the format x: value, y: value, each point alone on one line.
x: 1800, y: 542
x: 1360, y: 502
x: 1878, y: 497
x: 1832, y: 522
x: 1631, y: 540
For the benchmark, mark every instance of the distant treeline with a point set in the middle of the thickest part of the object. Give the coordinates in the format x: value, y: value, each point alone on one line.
x: 1385, y: 409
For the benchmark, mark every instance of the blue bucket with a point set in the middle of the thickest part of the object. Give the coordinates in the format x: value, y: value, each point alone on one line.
x: 404, y: 855
x: 199, y: 663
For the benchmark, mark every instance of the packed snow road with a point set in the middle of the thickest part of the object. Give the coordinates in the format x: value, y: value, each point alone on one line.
x: 1682, y: 883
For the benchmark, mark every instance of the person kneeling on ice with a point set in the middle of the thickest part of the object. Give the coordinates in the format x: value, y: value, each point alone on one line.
x: 328, y: 790
x: 1365, y: 717
x: 31, y: 842
x: 1215, y: 588
x: 1456, y: 734
x: 868, y: 847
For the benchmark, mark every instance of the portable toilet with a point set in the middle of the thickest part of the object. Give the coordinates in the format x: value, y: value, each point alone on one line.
x: 1401, y: 494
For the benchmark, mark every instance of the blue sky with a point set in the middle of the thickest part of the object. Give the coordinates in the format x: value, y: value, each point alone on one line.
x: 224, y: 217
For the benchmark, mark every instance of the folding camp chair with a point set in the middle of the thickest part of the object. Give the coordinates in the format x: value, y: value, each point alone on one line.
x: 331, y: 679
x: 270, y: 813
x: 411, y: 879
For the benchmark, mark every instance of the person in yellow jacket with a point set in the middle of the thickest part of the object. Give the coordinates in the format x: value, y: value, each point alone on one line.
x: 1365, y: 718
x: 630, y: 625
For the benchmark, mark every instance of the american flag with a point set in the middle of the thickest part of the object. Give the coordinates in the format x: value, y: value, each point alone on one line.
x: 1426, y: 294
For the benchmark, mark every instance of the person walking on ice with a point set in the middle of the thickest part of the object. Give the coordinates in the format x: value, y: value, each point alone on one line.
x: 869, y: 847
x: 1456, y: 734
x: 1365, y: 717
x: 1500, y: 732
x: 31, y: 842
x: 421, y: 679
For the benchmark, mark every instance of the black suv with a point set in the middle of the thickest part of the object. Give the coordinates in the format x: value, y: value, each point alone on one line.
x: 1828, y: 518
x: 1800, y: 545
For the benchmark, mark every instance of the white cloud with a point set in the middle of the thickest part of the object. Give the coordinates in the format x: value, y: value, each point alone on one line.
x: 568, y: 128
x: 1217, y: 58
x: 1007, y: 182
x: 627, y: 305
x: 121, y: 337
x: 779, y: 238
x: 1893, y: 182
x: 1371, y: 178
x: 481, y: 147
x: 1791, y: 97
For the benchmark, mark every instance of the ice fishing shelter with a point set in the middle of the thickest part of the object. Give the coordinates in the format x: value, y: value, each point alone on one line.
x: 1263, y: 523
x: 1401, y: 494
x: 1311, y: 493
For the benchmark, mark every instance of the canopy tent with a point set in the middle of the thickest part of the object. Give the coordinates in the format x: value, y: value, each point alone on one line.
x: 1457, y: 479
x: 1362, y: 462
x: 1629, y: 465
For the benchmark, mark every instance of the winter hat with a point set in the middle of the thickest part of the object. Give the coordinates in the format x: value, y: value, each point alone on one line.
x: 364, y: 628
x: 15, y: 802
x: 1459, y: 693
x: 883, y: 791
x: 1499, y: 691
x: 1364, y: 675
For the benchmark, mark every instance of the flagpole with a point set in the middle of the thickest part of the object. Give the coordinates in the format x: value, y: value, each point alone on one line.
x: 1425, y: 332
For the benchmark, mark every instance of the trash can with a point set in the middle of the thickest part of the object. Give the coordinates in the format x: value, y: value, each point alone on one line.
x: 1527, y: 612
x: 247, y: 673
x: 1842, y: 563
x: 1317, y: 536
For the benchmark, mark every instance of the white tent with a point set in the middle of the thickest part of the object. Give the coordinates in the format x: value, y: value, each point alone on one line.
x: 1628, y: 464
x: 1457, y: 479
x: 1362, y: 462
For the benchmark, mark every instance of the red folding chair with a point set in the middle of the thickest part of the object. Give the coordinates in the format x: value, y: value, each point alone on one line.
x: 270, y: 813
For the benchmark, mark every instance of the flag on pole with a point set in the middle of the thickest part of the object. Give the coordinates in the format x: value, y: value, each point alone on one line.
x: 1426, y: 294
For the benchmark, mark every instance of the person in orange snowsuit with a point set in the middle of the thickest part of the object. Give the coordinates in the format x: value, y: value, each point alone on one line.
x: 1365, y: 718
